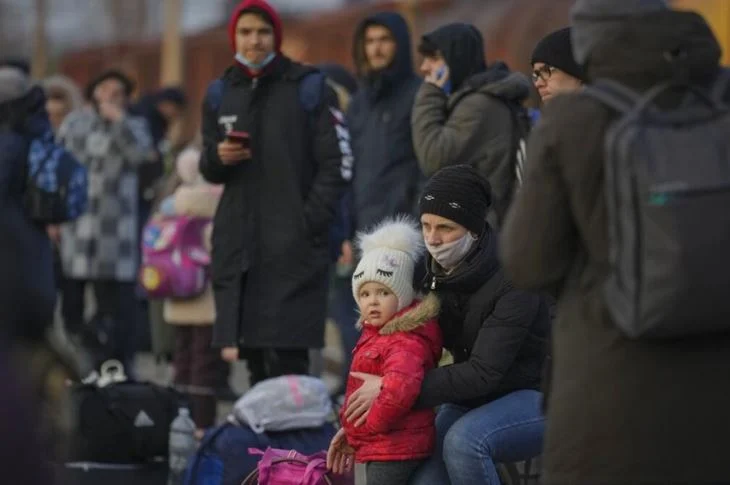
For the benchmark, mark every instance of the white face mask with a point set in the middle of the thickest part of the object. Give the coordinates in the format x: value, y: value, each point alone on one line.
x: 449, y: 255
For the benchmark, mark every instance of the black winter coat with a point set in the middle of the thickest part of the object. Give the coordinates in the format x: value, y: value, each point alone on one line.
x: 270, y: 258
x: 496, y: 333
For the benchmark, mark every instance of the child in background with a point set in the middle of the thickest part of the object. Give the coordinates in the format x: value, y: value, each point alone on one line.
x: 199, y: 369
x: 400, y: 341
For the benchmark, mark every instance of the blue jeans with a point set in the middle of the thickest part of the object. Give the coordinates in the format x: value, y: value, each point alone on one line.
x: 469, y: 443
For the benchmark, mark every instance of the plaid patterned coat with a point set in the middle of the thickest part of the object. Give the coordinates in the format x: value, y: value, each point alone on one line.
x: 103, y: 243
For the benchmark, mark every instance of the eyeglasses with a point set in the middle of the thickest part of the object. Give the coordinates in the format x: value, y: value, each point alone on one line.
x: 543, y: 73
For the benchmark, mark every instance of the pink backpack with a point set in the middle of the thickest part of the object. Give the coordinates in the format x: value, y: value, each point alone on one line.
x: 289, y: 467
x: 174, y: 258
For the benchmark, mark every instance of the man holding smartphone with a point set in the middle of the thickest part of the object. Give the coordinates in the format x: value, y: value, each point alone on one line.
x: 285, y: 165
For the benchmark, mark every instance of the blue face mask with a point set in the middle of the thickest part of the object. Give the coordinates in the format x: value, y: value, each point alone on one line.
x: 252, y: 65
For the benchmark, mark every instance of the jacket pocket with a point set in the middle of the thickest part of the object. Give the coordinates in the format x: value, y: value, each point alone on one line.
x: 369, y: 361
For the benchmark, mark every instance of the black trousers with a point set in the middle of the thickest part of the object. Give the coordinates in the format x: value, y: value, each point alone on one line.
x: 112, y: 333
x: 390, y: 472
x: 267, y: 363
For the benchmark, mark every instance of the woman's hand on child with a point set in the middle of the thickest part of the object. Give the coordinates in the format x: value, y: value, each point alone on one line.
x: 340, y: 454
x: 360, y: 402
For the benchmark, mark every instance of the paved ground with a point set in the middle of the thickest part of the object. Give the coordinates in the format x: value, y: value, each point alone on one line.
x: 332, y: 355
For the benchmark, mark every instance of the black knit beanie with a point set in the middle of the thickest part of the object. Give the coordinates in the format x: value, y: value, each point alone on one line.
x: 556, y: 50
x: 127, y: 83
x: 458, y: 193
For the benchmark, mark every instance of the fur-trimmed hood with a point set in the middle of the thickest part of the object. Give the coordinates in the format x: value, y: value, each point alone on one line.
x: 412, y: 317
x: 403, y: 349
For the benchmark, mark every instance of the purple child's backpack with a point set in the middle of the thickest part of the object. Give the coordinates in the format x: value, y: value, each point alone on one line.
x: 288, y: 467
x: 174, y: 257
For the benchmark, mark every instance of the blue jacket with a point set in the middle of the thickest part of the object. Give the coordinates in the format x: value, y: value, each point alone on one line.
x: 387, y: 179
x: 27, y: 289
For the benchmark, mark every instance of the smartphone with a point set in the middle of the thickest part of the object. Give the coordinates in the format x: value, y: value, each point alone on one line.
x: 241, y: 137
x: 440, y: 75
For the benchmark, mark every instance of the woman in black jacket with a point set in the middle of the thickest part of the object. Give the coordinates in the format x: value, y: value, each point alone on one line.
x: 489, y: 402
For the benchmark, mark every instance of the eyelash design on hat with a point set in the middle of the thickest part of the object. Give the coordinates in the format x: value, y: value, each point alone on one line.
x: 358, y: 276
x: 382, y: 272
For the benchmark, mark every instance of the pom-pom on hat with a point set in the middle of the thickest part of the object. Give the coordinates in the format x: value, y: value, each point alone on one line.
x: 389, y: 254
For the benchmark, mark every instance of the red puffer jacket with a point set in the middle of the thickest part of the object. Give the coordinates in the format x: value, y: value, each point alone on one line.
x: 401, y: 351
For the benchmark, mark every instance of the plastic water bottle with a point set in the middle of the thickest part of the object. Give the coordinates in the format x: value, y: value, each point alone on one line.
x: 182, y: 446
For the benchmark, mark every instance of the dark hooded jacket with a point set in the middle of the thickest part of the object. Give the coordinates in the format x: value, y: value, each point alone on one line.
x: 496, y: 333
x: 27, y: 289
x: 620, y: 411
x: 387, y: 178
x: 475, y: 125
x: 270, y: 232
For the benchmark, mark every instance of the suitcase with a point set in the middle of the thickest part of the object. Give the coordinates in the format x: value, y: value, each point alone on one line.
x: 90, y: 473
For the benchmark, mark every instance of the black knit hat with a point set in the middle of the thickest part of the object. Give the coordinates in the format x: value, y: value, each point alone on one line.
x: 127, y: 83
x: 458, y: 193
x: 556, y: 50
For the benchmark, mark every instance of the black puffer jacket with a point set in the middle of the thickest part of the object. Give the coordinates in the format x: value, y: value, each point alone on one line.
x: 496, y: 333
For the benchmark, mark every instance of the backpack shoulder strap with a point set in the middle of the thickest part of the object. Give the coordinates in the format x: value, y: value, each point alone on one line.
x: 311, y: 91
x: 720, y: 88
x: 316, y: 471
x: 214, y: 94
x: 613, y: 95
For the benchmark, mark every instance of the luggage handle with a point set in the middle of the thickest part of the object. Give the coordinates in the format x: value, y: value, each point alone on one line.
x: 252, y: 478
x: 112, y: 371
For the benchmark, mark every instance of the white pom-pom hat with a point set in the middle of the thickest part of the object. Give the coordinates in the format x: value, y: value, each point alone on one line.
x: 389, y: 254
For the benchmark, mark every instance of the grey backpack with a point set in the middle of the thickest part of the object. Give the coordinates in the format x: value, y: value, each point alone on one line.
x: 667, y: 176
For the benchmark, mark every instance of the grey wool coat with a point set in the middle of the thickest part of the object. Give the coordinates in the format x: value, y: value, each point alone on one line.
x: 103, y: 243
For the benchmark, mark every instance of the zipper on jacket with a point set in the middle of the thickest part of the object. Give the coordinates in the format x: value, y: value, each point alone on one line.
x: 433, y: 283
x: 254, y: 83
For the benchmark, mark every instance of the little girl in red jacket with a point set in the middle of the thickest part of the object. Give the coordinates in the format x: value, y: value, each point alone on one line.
x: 400, y: 341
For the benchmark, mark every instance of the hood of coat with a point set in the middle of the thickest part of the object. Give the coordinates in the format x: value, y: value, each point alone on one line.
x: 27, y: 114
x: 672, y: 42
x: 462, y: 47
x: 402, y: 66
x: 266, y: 9
x: 413, y: 319
x: 65, y: 86
x: 498, y: 81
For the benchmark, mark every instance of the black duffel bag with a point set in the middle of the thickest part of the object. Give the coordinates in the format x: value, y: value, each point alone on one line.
x: 122, y: 422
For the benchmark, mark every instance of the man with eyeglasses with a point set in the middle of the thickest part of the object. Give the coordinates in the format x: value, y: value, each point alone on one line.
x: 554, y: 70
